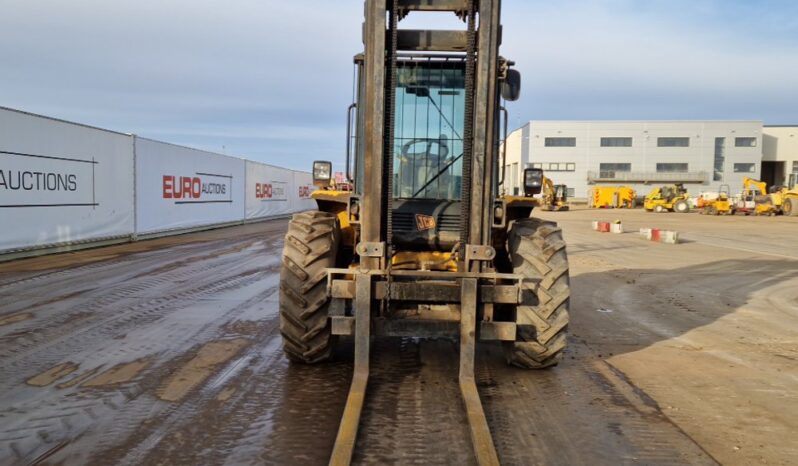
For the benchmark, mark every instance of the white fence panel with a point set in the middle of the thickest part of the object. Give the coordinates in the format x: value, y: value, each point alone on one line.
x: 179, y: 187
x: 62, y: 182
x: 277, y: 191
x: 303, y: 183
x: 269, y: 190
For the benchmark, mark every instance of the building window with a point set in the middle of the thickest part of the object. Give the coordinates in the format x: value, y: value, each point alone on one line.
x: 744, y: 167
x: 554, y: 166
x: 608, y: 170
x: 560, y: 142
x: 616, y: 142
x: 672, y: 167
x: 744, y: 142
x: 720, y: 159
x: 673, y: 142
x: 561, y: 167
x: 571, y: 192
x: 795, y: 167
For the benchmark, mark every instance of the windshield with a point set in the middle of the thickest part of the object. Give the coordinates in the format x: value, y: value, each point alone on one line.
x: 429, y: 121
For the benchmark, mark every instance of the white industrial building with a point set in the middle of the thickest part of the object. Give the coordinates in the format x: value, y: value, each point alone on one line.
x: 642, y: 154
x: 779, y: 154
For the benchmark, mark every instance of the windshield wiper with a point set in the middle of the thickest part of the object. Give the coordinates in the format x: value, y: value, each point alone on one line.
x: 440, y: 172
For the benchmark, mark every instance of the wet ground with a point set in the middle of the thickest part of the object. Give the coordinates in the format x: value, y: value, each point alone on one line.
x: 168, y: 352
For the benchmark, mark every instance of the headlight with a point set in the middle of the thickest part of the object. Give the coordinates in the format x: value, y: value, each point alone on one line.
x: 322, y: 171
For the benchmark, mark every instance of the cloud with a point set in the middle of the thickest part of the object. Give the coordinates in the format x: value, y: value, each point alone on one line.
x: 271, y: 79
x: 620, y: 60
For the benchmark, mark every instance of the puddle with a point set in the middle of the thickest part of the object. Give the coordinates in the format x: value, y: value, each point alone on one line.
x: 51, y: 375
x: 118, y: 374
x: 199, y: 368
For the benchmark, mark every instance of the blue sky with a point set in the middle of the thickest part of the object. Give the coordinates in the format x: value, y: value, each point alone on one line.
x: 271, y: 80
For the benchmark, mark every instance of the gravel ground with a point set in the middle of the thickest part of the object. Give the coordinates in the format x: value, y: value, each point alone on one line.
x: 168, y: 352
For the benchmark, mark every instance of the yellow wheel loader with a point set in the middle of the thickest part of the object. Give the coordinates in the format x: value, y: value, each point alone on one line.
x: 427, y: 244
x: 785, y: 199
x: 673, y: 198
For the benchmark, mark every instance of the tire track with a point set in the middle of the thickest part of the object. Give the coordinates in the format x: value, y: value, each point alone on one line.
x: 63, y: 422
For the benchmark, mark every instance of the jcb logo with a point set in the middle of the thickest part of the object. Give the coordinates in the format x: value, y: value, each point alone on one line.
x: 263, y: 191
x: 425, y: 222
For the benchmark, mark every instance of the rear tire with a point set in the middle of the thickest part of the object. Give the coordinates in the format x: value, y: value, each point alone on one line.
x: 537, y: 251
x: 659, y: 209
x: 681, y: 207
x: 790, y: 207
x: 311, y: 246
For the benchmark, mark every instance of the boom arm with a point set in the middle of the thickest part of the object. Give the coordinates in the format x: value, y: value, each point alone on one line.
x: 549, y: 192
x: 750, y: 185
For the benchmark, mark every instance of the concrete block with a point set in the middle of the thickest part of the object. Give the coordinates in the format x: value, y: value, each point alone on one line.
x: 616, y: 228
x: 670, y: 237
x: 655, y: 234
x: 604, y: 227
x: 595, y: 225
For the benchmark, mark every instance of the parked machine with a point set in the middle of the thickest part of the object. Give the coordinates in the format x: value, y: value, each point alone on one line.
x: 555, y: 196
x: 785, y: 199
x: 612, y: 197
x: 672, y: 198
x: 719, y: 203
x: 426, y: 245
x: 754, y: 199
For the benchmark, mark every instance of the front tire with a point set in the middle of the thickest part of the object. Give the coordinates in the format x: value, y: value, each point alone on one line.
x: 537, y: 251
x: 790, y: 207
x: 311, y: 246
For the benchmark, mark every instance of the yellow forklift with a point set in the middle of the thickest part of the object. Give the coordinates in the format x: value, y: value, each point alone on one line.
x: 426, y: 245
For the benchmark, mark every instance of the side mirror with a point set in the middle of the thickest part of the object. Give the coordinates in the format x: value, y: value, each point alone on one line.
x: 533, y: 181
x: 511, y: 86
x: 322, y: 173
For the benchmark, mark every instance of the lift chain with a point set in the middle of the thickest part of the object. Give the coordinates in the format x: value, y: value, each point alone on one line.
x: 389, y: 140
x: 468, y: 131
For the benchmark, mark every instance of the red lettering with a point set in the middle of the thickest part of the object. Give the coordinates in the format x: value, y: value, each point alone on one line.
x: 185, y: 184
x: 196, y: 188
x: 263, y: 191
x: 168, y: 186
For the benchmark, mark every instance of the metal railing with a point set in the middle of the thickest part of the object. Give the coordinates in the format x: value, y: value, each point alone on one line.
x: 646, y: 177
